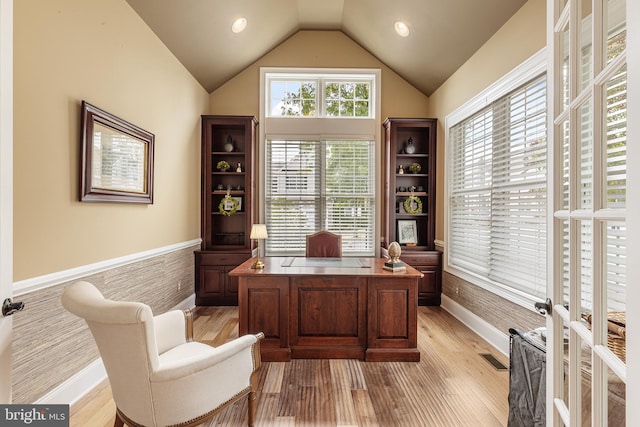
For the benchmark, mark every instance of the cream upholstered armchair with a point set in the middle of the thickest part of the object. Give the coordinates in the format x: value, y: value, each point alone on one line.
x: 158, y: 375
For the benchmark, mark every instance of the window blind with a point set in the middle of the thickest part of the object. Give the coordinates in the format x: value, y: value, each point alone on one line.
x: 317, y: 185
x: 497, y: 191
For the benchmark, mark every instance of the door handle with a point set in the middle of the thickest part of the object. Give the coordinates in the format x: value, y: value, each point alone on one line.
x: 544, y: 307
x: 9, y: 307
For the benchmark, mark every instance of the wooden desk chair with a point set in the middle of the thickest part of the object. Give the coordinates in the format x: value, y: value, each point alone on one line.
x: 324, y: 244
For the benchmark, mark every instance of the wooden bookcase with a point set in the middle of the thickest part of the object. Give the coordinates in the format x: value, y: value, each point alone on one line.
x: 225, y: 234
x: 417, y: 216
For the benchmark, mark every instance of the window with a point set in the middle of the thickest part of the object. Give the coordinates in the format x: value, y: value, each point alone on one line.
x: 320, y: 185
x: 346, y: 96
x: 498, y: 190
x: 496, y: 186
x: 320, y: 138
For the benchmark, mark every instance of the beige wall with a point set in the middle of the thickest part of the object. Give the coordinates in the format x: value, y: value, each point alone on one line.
x: 66, y: 51
x: 317, y: 49
x: 521, y: 37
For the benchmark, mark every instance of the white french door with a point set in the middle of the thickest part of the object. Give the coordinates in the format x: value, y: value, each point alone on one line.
x: 587, y: 78
x: 6, y: 191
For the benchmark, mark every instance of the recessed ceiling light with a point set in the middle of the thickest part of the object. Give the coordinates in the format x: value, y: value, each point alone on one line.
x: 239, y: 25
x: 401, y: 28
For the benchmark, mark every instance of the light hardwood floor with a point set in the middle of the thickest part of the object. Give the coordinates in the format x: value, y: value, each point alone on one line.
x: 452, y: 385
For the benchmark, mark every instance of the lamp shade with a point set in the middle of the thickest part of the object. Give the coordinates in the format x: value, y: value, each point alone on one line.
x: 259, y: 231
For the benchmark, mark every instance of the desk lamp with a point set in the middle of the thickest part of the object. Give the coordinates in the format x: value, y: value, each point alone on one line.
x: 258, y: 231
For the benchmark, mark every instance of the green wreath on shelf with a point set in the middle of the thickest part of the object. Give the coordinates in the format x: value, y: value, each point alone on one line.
x: 225, y: 203
x: 413, y: 205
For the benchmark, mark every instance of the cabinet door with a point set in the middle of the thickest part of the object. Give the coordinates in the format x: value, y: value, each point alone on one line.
x: 429, y: 286
x: 212, y: 281
x: 216, y: 282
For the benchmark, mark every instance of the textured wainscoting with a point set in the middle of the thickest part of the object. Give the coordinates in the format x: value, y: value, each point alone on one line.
x: 50, y: 345
x: 497, y: 311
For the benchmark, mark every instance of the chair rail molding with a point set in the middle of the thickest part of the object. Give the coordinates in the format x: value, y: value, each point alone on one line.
x: 26, y: 286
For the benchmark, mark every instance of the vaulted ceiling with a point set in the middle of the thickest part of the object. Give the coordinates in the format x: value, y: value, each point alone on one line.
x: 443, y: 33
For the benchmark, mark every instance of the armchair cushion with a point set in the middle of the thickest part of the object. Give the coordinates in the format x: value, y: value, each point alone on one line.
x: 170, y: 330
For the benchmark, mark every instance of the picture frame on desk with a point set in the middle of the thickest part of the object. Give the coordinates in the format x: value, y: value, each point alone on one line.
x: 407, y: 231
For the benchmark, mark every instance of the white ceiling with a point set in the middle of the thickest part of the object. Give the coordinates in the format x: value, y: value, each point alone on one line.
x: 444, y: 33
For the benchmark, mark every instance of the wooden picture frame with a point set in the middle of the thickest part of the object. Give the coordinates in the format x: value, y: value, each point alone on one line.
x: 407, y: 231
x: 117, y: 159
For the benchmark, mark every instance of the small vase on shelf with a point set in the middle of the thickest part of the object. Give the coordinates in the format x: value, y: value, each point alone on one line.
x: 228, y: 146
x: 409, y: 147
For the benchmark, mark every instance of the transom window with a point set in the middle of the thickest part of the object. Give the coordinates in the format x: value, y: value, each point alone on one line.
x: 347, y: 96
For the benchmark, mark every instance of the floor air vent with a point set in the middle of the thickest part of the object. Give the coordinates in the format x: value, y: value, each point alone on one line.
x: 494, y: 362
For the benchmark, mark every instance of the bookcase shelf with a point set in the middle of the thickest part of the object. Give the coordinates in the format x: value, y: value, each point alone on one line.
x: 408, y: 141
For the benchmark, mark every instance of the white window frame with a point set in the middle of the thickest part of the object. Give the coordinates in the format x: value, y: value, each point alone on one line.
x: 322, y: 128
x: 531, y: 68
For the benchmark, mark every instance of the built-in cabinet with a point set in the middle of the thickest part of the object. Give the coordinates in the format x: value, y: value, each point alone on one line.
x: 228, y: 206
x: 410, y: 191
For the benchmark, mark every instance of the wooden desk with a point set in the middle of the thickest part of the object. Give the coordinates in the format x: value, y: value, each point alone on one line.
x: 334, y: 308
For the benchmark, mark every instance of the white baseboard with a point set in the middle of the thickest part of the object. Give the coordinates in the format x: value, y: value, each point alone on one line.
x: 73, y: 389
x: 487, y: 331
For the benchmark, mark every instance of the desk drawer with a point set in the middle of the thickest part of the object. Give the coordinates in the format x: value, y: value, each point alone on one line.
x: 426, y: 258
x: 210, y: 258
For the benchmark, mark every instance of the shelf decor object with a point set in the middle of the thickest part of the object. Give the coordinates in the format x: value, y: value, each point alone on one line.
x: 117, y: 159
x: 412, y: 205
x: 228, y: 205
x: 394, y: 264
x: 258, y: 232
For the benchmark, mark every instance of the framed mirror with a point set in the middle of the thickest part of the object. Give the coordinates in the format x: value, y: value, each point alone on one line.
x: 117, y: 159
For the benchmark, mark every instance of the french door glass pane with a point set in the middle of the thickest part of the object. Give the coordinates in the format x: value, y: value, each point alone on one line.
x: 586, y: 265
x: 586, y: 48
x: 615, y: 274
x: 564, y: 227
x: 616, y: 140
x: 586, y: 156
x: 615, y: 39
x: 585, y: 382
x: 565, y: 165
x: 616, y: 402
x: 564, y: 78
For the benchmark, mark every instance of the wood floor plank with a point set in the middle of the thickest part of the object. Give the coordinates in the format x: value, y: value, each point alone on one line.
x: 452, y: 385
x: 341, y: 391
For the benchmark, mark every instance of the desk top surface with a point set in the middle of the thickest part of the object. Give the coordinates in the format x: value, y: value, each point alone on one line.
x: 301, y: 266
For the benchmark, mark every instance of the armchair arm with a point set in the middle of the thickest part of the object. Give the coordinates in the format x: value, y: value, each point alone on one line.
x: 173, y: 328
x: 179, y: 365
